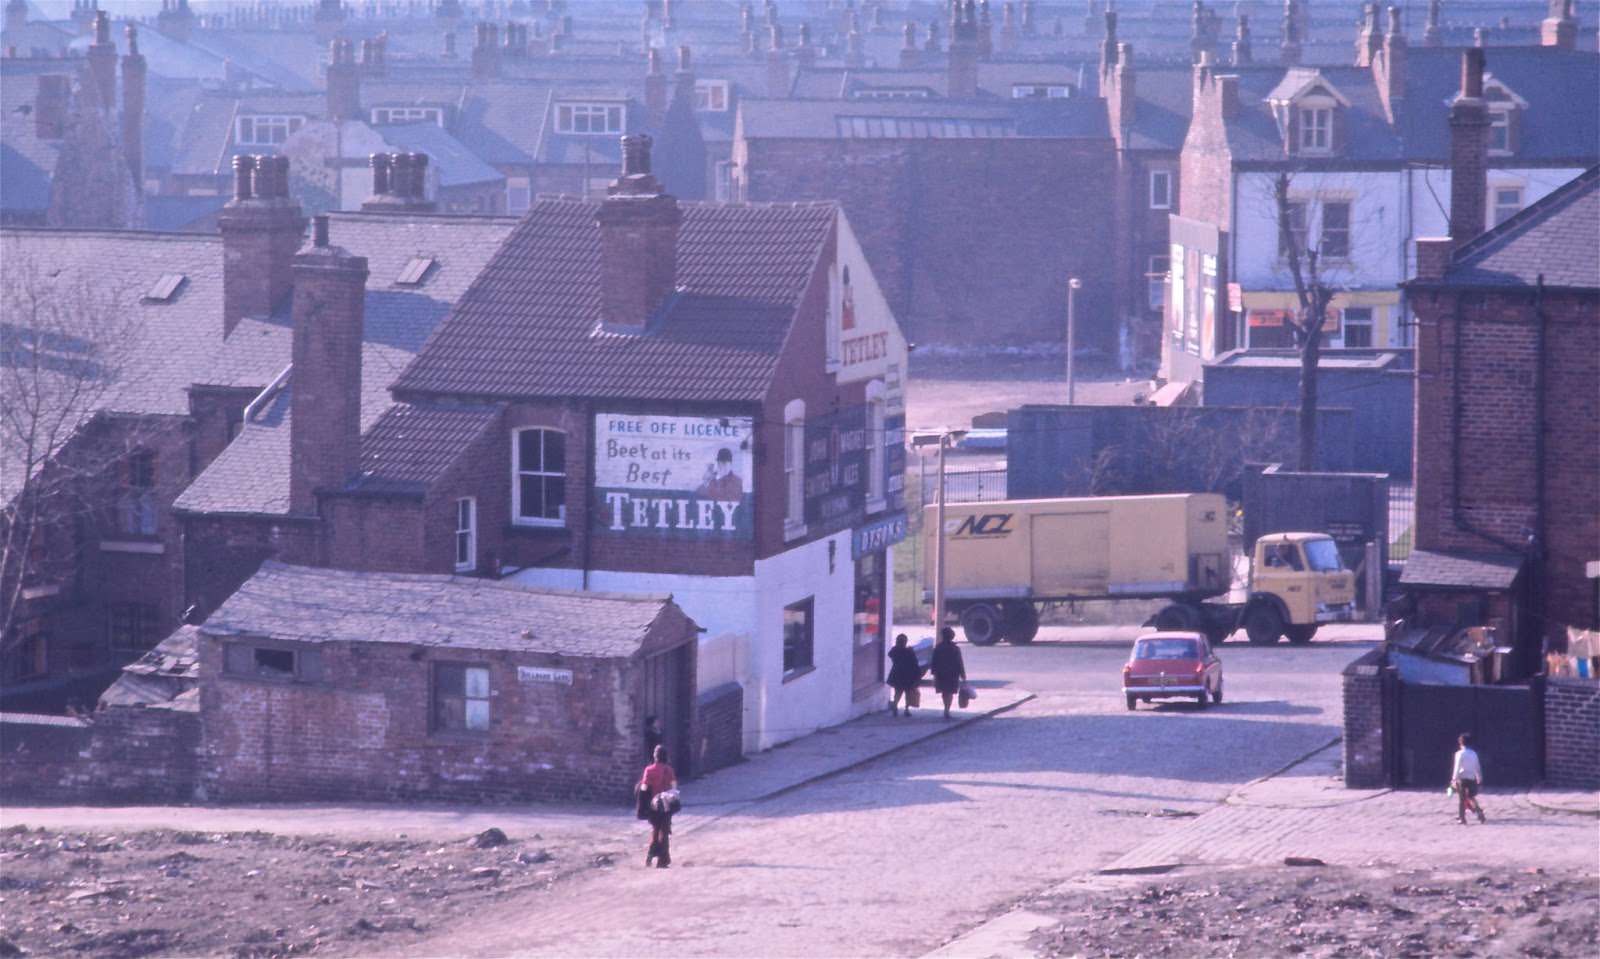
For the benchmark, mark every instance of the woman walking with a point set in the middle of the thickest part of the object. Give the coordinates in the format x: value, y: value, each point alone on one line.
x: 660, y: 785
x: 905, y: 675
x: 948, y: 669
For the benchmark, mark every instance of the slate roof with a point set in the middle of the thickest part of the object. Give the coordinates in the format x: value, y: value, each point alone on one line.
x: 529, y: 326
x: 411, y: 447
x: 251, y: 475
x: 1557, y: 237
x: 1164, y: 102
x: 167, y: 676
x: 156, y: 349
x: 1461, y: 569
x: 315, y: 605
x: 456, y: 165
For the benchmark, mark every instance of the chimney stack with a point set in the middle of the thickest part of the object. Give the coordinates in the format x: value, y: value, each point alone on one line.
x: 399, y: 184
x: 1430, y: 33
x: 103, y: 62
x: 1108, y: 46
x: 1389, y: 70
x: 486, y: 53
x: 1124, y: 87
x: 16, y: 15
x: 962, y: 80
x: 855, y: 56
x: 932, y: 44
x: 133, y: 89
x: 344, y: 82
x: 1242, y: 55
x: 50, y: 106
x: 1030, y: 26
x: 655, y: 89
x: 1469, y: 152
x: 261, y: 230
x: 1289, y: 42
x: 985, y: 31
x: 638, y: 224
x: 777, y: 68
x: 909, y: 54
x: 330, y: 287
x: 328, y: 19
x: 1368, y: 38
x: 1560, y: 27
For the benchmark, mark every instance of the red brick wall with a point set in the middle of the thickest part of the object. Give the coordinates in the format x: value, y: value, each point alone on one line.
x: 378, y: 533
x: 116, y: 755
x: 366, y: 732
x: 1497, y: 405
x: 971, y: 240
x: 221, y: 552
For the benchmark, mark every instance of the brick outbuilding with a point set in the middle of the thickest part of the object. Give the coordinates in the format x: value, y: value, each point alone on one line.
x: 319, y: 683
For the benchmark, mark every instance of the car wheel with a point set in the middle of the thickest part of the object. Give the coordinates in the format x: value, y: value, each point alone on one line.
x: 1022, y: 621
x: 1133, y: 702
x: 982, y: 624
x: 1216, y: 694
x: 1263, y: 625
x: 1300, y: 635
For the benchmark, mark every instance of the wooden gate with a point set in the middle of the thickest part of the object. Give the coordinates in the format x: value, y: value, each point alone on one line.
x: 1506, y: 723
x: 667, y: 697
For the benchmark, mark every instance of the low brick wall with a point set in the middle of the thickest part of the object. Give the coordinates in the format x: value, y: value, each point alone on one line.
x: 719, y: 740
x: 118, y: 755
x: 1572, y: 733
x: 1364, y: 761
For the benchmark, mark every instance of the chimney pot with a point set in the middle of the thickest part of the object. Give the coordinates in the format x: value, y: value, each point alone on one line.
x: 244, y: 168
x: 380, y: 173
x: 319, y: 230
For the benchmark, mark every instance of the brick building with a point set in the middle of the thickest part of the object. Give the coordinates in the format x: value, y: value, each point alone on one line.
x: 317, y: 683
x: 1363, y: 146
x: 1508, y: 447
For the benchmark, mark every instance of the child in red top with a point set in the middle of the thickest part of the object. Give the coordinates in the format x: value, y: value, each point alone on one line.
x: 658, y: 778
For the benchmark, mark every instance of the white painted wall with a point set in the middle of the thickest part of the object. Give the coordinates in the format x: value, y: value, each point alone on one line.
x: 820, y: 697
x: 1378, y: 216
x: 1430, y: 197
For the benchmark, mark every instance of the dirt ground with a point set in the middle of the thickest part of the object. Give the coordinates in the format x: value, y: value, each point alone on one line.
x: 255, y: 894
x: 1326, y: 911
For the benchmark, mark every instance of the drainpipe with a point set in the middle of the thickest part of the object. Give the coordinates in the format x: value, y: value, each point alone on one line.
x: 588, y: 506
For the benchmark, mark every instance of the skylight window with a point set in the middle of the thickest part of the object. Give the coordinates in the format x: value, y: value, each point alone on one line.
x: 165, y: 288
x: 415, y: 271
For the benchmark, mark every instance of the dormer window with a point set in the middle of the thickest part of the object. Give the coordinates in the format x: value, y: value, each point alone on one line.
x: 1316, y: 129
x: 589, y: 118
x: 265, y: 130
x: 711, y: 96
x: 1505, y: 115
x: 386, y: 115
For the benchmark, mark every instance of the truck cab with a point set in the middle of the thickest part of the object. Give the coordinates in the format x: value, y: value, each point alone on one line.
x: 1297, y: 582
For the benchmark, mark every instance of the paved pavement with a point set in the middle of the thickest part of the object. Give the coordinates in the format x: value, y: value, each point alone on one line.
x: 1305, y: 811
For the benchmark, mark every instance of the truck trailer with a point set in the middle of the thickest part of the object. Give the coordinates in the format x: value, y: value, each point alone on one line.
x: 1006, y: 559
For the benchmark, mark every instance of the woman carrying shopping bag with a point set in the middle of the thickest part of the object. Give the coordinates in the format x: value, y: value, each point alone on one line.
x: 659, y: 787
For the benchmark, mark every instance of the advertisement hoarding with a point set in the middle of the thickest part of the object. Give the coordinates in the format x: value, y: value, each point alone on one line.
x: 673, y: 476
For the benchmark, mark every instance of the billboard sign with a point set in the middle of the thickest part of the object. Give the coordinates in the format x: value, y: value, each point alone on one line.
x: 673, y: 476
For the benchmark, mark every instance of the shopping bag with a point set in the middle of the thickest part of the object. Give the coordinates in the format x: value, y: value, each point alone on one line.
x: 968, y: 694
x: 913, y: 697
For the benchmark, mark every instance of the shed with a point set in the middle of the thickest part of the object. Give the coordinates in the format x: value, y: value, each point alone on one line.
x: 321, y: 683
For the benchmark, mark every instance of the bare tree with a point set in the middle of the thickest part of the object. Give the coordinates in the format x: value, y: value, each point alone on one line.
x: 63, y: 341
x: 1312, y: 295
x: 1186, y: 450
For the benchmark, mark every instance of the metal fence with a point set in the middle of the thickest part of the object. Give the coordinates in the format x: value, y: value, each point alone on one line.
x: 965, y: 486
x: 1402, y: 520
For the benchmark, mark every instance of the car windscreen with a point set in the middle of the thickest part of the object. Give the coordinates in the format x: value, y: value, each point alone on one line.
x: 1323, y: 556
x: 1165, y: 649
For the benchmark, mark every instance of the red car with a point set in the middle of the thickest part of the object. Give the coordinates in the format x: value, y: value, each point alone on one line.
x: 1172, y: 666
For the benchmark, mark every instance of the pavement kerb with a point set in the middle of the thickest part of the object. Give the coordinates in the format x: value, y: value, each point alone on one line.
x: 1566, y: 803
x: 1239, y: 798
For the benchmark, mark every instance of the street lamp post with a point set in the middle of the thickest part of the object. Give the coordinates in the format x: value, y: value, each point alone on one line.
x: 1073, y: 285
x: 944, y: 438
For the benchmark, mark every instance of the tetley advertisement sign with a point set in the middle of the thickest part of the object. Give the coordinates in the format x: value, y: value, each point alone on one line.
x: 674, y: 476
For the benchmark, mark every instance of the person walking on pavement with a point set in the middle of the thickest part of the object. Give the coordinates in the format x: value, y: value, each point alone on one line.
x: 905, y: 675
x: 1466, y: 777
x: 948, y: 670
x: 660, y: 785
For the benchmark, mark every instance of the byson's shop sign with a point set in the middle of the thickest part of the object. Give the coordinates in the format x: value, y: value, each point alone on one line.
x: 673, y: 476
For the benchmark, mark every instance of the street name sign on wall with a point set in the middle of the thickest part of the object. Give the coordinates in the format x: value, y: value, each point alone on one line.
x: 673, y: 476
x: 538, y: 674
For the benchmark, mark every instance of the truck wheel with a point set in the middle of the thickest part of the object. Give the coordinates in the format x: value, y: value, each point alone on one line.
x: 982, y: 624
x: 1300, y: 635
x: 1022, y: 621
x: 1178, y: 618
x: 1263, y: 625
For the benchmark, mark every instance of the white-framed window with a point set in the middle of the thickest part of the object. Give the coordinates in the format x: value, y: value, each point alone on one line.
x: 1335, y: 229
x: 1507, y: 203
x: 1160, y: 189
x: 589, y: 118
x: 460, y: 698
x: 876, y: 454
x: 1357, y: 326
x: 794, y: 467
x: 1316, y: 129
x: 466, y: 534
x: 262, y: 129
x: 1042, y: 91
x: 432, y: 115
x: 711, y: 96
x: 136, y: 506
x: 1156, y: 282
x: 539, y: 477
x: 890, y: 93
x: 1298, y: 212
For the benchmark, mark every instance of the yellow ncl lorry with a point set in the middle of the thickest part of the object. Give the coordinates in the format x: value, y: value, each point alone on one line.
x: 1005, y: 559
